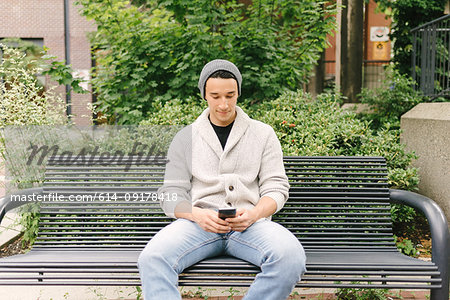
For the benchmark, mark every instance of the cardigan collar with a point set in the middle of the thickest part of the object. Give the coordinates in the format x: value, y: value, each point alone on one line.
x: 206, y: 131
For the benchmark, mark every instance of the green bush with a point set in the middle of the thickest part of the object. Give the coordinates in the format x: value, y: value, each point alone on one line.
x: 362, y: 294
x: 155, y: 52
x: 175, y: 112
x: 312, y: 128
x: 321, y: 127
x: 38, y: 58
x: 392, y: 99
x: 316, y: 127
x: 24, y: 101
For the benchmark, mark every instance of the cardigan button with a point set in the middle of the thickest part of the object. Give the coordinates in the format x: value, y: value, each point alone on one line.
x: 231, y: 187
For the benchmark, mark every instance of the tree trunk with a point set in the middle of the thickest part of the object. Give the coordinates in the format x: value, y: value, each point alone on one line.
x: 351, y: 51
x: 316, y: 82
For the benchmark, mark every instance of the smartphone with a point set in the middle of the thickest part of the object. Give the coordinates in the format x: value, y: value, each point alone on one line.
x: 227, y: 213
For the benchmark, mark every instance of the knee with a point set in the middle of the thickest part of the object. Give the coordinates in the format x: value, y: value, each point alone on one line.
x: 150, y: 259
x: 298, y: 265
x: 292, y: 262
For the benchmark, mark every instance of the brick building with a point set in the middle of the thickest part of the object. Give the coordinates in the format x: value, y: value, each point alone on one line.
x: 42, y: 22
x: 377, y: 47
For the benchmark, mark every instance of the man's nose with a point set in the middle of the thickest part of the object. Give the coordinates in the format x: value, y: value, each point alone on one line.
x: 223, y: 102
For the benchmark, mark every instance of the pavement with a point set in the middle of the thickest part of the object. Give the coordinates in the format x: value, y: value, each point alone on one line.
x: 129, y: 293
x: 9, y: 227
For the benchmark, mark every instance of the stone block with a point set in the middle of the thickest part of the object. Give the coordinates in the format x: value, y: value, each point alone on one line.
x: 426, y: 131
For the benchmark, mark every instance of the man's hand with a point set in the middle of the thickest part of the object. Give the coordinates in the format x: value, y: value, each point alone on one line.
x: 265, y: 207
x: 209, y: 220
x: 244, y: 218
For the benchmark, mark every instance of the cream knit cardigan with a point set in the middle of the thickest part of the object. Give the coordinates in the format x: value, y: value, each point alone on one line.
x: 201, y: 173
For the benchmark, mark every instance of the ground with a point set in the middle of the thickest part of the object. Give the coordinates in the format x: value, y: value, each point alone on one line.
x: 16, y: 246
x: 418, y: 233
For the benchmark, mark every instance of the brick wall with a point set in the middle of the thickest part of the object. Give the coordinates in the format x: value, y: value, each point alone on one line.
x: 45, y: 19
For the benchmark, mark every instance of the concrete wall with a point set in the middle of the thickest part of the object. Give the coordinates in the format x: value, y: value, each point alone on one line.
x: 426, y: 131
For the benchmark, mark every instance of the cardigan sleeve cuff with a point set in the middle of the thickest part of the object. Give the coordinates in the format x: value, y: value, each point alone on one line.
x: 170, y: 206
x: 278, y: 198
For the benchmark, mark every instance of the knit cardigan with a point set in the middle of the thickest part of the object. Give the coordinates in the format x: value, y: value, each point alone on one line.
x: 201, y: 173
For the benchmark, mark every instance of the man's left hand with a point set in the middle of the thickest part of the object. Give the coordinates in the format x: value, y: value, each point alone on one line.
x: 244, y: 218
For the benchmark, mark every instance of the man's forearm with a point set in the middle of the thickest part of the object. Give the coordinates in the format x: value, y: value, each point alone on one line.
x: 186, y: 215
x: 265, y: 207
x: 185, y: 211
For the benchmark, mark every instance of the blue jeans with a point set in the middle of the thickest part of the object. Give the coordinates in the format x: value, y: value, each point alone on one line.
x: 183, y: 243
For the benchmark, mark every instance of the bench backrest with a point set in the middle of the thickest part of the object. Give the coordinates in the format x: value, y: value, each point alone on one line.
x: 335, y: 202
x: 338, y: 202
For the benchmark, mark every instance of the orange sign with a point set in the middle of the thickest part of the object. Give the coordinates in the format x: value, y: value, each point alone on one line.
x: 380, y: 51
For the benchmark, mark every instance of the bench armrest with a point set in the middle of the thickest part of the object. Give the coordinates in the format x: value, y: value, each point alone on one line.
x: 438, y: 227
x: 8, y: 202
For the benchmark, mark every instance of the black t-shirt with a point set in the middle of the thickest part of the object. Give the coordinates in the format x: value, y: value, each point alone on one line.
x: 222, y: 132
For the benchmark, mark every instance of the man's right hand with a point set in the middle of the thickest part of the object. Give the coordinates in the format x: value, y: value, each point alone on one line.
x: 209, y: 220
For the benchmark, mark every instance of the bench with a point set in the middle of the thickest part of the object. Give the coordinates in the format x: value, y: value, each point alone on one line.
x: 338, y: 207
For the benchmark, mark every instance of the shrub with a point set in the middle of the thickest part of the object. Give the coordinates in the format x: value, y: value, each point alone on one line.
x: 362, y: 294
x: 390, y: 101
x: 24, y: 101
x: 321, y: 127
x: 312, y: 128
x: 175, y: 112
x: 155, y: 52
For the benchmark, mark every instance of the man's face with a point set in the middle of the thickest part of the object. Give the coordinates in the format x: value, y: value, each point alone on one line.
x: 221, y: 95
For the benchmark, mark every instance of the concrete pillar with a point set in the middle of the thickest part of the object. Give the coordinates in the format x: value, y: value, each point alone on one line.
x: 426, y: 131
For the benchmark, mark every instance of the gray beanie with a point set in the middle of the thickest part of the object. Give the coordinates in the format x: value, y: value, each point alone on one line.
x: 216, y: 65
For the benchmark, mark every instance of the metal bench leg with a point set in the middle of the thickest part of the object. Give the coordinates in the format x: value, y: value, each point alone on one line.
x: 439, y: 235
x: 442, y: 293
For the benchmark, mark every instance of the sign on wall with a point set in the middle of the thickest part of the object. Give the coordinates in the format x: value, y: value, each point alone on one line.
x: 380, y: 51
x: 379, y: 34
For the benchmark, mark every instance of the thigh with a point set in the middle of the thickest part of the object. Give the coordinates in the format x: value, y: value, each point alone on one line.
x: 262, y: 240
x: 183, y: 243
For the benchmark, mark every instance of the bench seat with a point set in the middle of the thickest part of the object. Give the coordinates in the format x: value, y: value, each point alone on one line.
x: 118, y: 267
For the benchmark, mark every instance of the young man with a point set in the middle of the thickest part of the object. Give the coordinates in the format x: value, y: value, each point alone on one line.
x: 224, y: 159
